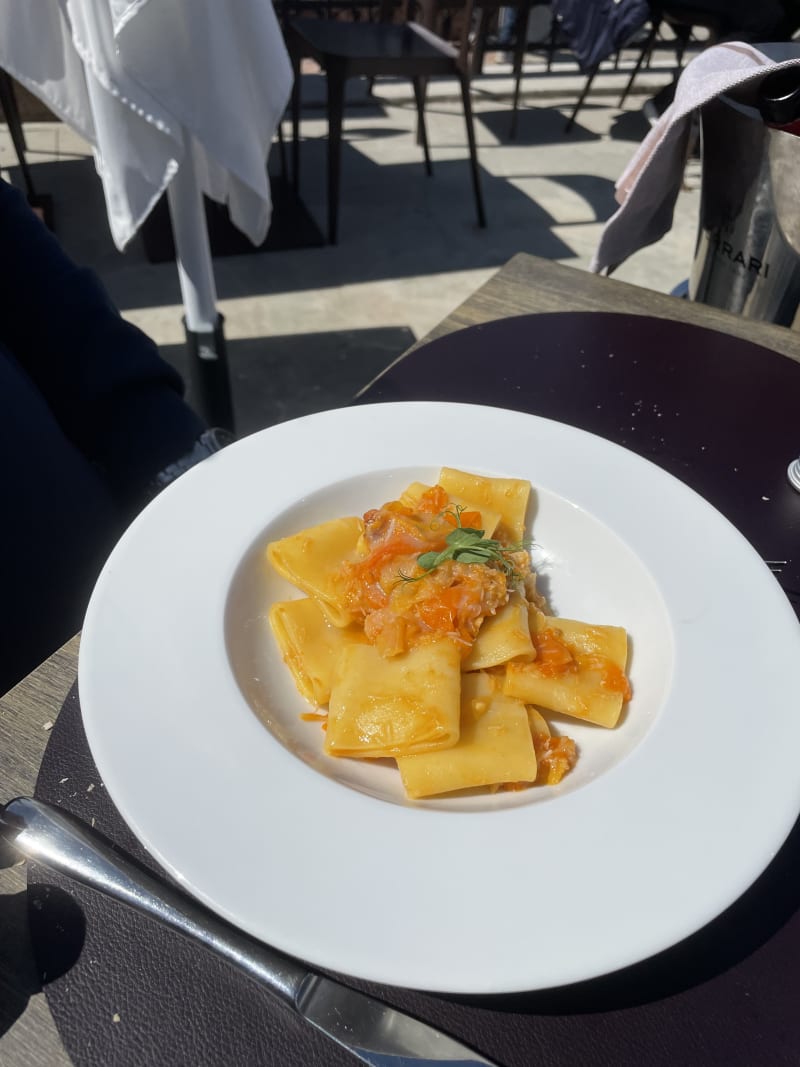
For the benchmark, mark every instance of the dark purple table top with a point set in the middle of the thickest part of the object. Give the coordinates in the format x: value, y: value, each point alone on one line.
x: 722, y: 415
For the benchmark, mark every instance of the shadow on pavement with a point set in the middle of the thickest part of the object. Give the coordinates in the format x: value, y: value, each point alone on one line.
x: 278, y: 378
x: 535, y: 126
x: 395, y: 222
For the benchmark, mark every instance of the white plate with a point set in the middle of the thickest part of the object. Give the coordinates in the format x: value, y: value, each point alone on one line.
x: 193, y: 721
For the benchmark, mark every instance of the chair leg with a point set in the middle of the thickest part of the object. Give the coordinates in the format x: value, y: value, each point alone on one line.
x: 484, y: 19
x: 473, y: 150
x: 421, y: 132
x: 648, y: 44
x: 512, y: 128
x: 282, y: 153
x: 336, y: 81
x: 9, y: 105
x: 581, y: 98
x: 552, y: 44
x: 420, y: 85
x: 295, y: 109
x: 514, y: 108
x: 520, y: 44
x: 684, y: 35
x: 649, y: 60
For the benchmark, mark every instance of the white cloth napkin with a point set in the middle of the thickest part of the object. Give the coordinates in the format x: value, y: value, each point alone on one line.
x: 147, y: 81
x: 649, y: 185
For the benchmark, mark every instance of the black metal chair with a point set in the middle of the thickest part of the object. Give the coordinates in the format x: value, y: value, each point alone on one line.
x: 597, y: 30
x: 639, y: 26
x: 437, y: 13
x: 346, y: 49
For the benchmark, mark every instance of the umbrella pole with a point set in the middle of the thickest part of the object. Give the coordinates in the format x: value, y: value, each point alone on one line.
x: 205, y: 339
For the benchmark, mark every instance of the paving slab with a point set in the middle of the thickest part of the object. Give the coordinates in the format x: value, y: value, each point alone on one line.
x: 308, y: 326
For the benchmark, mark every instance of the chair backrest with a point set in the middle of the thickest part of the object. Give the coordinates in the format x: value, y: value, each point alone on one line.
x: 432, y: 13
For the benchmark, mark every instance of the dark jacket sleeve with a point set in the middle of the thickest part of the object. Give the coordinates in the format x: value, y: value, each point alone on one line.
x: 596, y: 29
x: 114, y: 397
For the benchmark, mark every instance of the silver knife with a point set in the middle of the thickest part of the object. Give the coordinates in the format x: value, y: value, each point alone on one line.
x: 370, y: 1030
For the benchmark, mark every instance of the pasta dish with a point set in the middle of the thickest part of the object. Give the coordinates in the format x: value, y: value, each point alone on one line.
x: 422, y: 638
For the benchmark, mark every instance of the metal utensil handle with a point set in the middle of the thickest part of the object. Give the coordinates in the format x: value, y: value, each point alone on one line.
x: 58, y: 841
x: 368, y: 1029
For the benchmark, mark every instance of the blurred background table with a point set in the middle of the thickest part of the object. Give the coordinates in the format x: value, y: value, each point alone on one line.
x: 524, y: 286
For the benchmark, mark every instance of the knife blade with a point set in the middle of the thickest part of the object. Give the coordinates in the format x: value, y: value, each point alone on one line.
x: 370, y: 1030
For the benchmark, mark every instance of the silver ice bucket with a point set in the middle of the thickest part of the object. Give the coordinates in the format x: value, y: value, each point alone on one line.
x: 747, y: 258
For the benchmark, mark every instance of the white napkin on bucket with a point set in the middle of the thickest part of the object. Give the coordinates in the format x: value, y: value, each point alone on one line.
x: 649, y: 185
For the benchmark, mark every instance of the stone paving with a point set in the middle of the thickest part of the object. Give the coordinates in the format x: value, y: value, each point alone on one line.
x: 307, y: 327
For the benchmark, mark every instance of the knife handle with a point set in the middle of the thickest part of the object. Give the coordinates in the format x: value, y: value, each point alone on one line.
x: 63, y: 843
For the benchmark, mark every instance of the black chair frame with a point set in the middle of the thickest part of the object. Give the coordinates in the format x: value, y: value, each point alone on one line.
x: 371, y: 50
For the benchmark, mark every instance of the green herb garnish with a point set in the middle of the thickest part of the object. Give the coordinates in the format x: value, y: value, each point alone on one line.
x: 467, y: 545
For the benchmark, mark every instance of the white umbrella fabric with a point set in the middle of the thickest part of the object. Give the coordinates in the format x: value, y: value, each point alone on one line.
x: 183, y: 97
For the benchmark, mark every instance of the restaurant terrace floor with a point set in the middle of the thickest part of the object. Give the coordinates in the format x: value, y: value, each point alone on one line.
x: 308, y: 324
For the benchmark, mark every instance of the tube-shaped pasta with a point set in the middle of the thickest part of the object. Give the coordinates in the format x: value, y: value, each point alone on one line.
x: 579, y: 670
x: 310, y: 645
x: 495, y: 746
x: 312, y: 560
x: 502, y: 637
x: 507, y: 496
x: 394, y: 706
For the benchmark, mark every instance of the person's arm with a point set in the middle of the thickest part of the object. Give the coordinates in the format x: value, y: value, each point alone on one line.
x: 103, y: 379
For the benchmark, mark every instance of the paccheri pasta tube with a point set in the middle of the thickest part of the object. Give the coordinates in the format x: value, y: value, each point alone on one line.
x: 423, y: 639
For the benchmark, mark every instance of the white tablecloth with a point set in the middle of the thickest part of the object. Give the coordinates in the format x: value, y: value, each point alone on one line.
x: 154, y: 84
